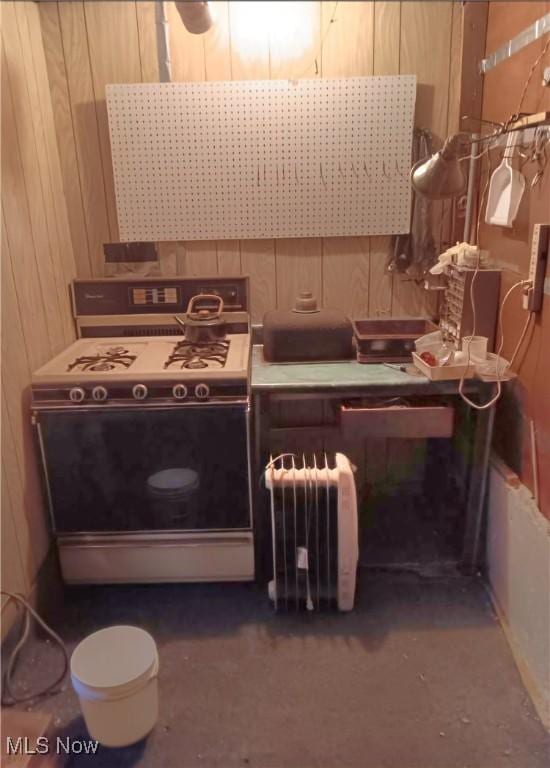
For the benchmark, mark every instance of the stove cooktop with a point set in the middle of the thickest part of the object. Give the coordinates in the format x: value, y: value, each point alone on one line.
x: 149, y: 359
x: 193, y: 356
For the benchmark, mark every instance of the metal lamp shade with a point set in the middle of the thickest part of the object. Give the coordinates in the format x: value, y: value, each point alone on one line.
x: 439, y: 177
x: 195, y: 15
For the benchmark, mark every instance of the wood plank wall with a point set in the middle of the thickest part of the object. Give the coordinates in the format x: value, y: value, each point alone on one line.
x: 527, y: 398
x: 91, y: 44
x: 37, y: 266
x: 58, y: 204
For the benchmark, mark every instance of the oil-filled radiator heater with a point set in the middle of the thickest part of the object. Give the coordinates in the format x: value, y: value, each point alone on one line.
x: 314, y: 533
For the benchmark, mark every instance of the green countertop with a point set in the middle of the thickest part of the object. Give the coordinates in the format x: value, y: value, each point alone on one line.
x: 349, y: 375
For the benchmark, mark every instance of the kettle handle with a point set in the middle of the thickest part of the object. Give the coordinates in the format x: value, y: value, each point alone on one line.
x: 200, y: 297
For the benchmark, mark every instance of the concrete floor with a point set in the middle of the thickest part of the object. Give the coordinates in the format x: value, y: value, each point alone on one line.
x: 419, y: 676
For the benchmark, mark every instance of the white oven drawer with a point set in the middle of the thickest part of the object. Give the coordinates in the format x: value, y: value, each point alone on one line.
x: 148, y: 558
x: 414, y: 422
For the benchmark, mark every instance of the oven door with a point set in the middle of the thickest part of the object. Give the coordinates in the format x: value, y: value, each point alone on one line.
x: 132, y: 469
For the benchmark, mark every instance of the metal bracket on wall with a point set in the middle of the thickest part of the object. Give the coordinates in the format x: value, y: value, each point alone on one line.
x: 530, y: 34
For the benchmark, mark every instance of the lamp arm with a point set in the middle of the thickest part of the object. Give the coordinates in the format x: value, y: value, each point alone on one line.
x: 459, y: 141
x: 454, y: 144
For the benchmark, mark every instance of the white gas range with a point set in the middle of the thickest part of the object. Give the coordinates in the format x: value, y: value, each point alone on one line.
x: 144, y: 434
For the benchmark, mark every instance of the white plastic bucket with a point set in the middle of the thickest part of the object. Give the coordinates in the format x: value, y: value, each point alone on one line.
x: 114, y: 672
x: 173, y: 496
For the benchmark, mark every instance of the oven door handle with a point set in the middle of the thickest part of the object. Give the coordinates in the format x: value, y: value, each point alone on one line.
x: 45, y: 477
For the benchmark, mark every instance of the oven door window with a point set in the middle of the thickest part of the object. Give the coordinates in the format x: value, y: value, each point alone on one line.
x: 151, y: 469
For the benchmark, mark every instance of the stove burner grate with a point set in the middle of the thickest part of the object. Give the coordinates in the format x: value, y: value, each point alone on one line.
x: 198, y: 355
x: 113, y: 358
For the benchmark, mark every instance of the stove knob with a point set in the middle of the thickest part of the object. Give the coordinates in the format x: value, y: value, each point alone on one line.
x: 99, y: 393
x: 179, y: 391
x: 77, y: 395
x: 202, y: 391
x: 139, y: 391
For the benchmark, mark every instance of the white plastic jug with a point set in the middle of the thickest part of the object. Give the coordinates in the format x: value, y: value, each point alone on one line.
x: 114, y: 672
x: 506, y: 188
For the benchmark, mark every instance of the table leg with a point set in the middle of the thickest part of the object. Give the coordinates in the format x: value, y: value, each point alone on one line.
x: 477, y: 490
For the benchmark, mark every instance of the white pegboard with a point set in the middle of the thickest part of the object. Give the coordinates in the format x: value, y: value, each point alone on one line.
x: 262, y: 158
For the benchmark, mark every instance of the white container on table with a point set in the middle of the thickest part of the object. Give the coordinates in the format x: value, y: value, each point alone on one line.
x: 475, y: 348
x: 114, y: 672
x: 444, y: 372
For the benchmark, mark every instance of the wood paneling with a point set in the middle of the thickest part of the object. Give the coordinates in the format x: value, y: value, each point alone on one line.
x: 197, y: 258
x: 425, y: 40
x: 186, y: 50
x: 527, y: 398
x: 258, y: 261
x: 61, y: 105
x: 248, y: 62
x: 380, y: 280
x: 348, y: 47
x: 147, y: 34
x: 346, y: 274
x: 37, y: 266
x: 288, y: 57
x: 387, y: 36
x: 217, y: 44
x: 298, y: 268
x: 229, y: 257
x: 348, y: 50
x: 470, y: 52
x: 425, y: 50
x: 113, y: 45
x: 341, y: 39
x: 85, y: 127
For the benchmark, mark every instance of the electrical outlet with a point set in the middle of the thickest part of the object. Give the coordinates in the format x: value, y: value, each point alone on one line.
x: 532, y: 299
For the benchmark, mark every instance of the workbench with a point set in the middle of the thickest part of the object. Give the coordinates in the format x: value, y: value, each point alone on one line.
x: 346, y: 381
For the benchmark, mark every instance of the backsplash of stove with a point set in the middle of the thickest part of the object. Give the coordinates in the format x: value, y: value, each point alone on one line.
x: 146, y: 307
x: 112, y: 296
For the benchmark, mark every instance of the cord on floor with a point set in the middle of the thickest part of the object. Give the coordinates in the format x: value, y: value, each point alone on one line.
x: 7, y: 683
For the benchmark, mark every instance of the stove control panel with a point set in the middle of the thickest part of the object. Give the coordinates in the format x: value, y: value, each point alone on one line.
x: 179, y: 391
x: 161, y: 295
x: 139, y: 391
x: 154, y: 295
x: 99, y: 394
x: 77, y: 395
x: 202, y: 391
x: 114, y: 394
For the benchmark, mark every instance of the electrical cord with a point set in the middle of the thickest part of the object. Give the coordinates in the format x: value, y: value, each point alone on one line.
x: 7, y: 686
x: 495, y: 398
x: 485, y: 153
x: 537, y: 61
x: 523, y: 333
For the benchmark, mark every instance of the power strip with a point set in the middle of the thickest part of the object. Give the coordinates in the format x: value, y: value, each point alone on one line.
x: 532, y: 298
